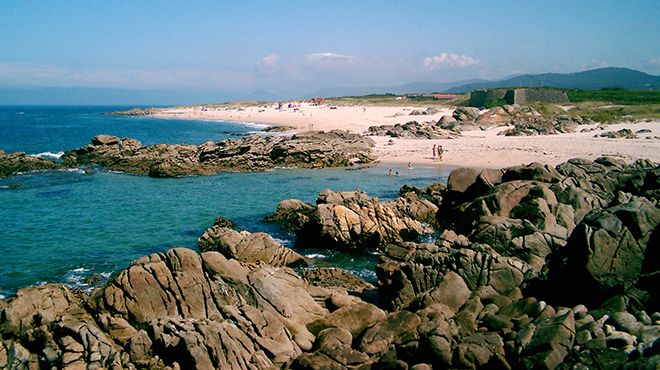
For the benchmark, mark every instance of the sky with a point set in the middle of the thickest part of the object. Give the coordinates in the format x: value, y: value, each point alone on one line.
x: 201, y: 49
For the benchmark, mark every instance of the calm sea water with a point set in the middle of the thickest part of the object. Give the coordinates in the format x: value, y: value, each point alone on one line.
x: 68, y: 226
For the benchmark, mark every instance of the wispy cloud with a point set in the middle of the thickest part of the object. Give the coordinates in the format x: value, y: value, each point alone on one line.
x: 450, y: 59
x: 267, y: 64
x: 331, y: 57
x: 308, y: 67
x: 654, y: 61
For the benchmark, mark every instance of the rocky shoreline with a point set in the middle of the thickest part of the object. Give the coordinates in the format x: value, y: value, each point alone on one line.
x: 316, y: 149
x: 252, y: 153
x: 534, y: 267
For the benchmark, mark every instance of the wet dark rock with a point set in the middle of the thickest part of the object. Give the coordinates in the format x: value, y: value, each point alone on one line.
x: 291, y: 214
x: 12, y: 164
x: 224, y: 222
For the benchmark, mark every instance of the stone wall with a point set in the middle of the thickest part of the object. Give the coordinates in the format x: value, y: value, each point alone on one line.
x: 541, y: 95
x: 492, y: 97
x: 486, y: 97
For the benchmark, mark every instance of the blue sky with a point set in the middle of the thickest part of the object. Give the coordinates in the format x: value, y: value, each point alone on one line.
x: 301, y: 46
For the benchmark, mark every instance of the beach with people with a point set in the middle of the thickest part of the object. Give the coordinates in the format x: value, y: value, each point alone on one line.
x: 481, y: 148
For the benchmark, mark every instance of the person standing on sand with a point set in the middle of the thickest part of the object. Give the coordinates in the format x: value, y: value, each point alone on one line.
x: 440, y: 151
x: 433, y: 151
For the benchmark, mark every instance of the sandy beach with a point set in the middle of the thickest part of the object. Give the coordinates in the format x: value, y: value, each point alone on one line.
x: 478, y: 148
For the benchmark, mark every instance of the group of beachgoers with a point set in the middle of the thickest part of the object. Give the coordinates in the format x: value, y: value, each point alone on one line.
x: 437, y: 152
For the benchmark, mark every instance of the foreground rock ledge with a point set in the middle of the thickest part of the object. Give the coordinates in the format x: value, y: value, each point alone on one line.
x: 315, y: 149
x: 491, y: 292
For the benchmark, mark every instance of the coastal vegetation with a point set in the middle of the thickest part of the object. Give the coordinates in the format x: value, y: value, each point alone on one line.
x: 615, y: 96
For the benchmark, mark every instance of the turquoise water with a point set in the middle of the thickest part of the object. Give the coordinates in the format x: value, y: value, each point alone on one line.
x: 65, y: 226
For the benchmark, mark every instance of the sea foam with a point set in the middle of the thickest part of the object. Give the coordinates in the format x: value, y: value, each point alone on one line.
x: 56, y: 155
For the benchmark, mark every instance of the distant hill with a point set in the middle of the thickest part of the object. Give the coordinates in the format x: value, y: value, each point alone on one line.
x: 594, y: 79
x: 413, y: 87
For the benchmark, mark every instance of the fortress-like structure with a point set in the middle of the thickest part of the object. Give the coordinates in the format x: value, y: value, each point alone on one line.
x: 491, y: 97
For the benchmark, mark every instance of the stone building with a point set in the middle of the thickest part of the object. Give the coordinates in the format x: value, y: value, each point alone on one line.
x: 492, y: 97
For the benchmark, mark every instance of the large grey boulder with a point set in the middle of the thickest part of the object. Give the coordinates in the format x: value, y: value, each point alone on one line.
x: 607, y: 251
x: 176, y: 309
x: 466, y: 114
x: 354, y: 220
x: 248, y: 247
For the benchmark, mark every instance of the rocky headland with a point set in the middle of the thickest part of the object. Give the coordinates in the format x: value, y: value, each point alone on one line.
x: 252, y: 153
x: 136, y: 112
x: 534, y: 267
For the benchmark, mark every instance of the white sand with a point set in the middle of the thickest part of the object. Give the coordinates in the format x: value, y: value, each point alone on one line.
x: 483, y: 149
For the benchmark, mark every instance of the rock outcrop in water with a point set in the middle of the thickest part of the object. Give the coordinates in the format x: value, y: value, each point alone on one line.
x: 136, y: 112
x: 253, y: 153
x: 354, y: 220
x: 14, y: 163
x: 537, y: 267
x: 248, y: 247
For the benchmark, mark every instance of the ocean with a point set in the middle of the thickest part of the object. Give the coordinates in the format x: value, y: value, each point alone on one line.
x: 78, y: 228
